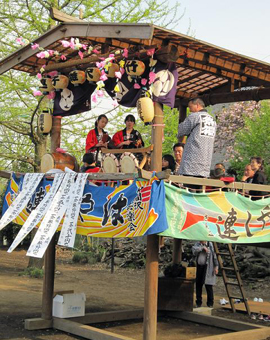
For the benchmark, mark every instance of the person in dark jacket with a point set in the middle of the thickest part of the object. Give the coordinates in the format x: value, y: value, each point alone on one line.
x: 207, y: 269
x: 257, y: 165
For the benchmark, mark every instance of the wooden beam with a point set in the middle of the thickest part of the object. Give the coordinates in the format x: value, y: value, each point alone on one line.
x: 78, y: 29
x: 49, y: 257
x: 254, y: 334
x: 139, y: 150
x: 214, y: 321
x: 37, y: 323
x: 57, y: 15
x: 151, y: 270
x: 237, y: 96
x: 86, y: 332
x: 111, y: 316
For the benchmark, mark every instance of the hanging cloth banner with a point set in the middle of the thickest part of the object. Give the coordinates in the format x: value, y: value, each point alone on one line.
x: 37, y: 214
x: 68, y: 230
x: 31, y: 181
x: 219, y: 216
x: 53, y: 217
x: 125, y: 211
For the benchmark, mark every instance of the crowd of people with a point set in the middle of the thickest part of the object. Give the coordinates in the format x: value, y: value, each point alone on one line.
x: 190, y: 159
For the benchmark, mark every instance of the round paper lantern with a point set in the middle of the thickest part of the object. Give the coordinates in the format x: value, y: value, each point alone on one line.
x: 46, y: 85
x: 145, y: 108
x: 77, y: 77
x: 112, y: 69
x: 45, y: 121
x: 93, y: 74
x: 60, y: 82
x: 134, y: 67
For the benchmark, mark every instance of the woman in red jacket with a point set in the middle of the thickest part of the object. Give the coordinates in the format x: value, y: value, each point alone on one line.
x: 97, y: 137
x: 128, y: 138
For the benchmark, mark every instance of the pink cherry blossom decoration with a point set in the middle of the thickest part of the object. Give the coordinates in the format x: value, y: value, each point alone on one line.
x: 37, y: 93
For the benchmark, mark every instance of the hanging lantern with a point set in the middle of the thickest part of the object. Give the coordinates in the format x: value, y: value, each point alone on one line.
x: 46, y: 85
x: 145, y: 108
x: 77, y: 77
x: 112, y: 69
x: 134, y: 67
x: 60, y: 82
x: 45, y: 121
x: 93, y: 74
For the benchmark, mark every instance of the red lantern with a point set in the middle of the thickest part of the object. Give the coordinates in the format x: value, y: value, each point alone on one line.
x: 134, y: 67
x: 77, y: 77
x: 60, y: 82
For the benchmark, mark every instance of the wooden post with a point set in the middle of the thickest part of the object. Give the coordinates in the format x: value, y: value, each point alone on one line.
x: 49, y: 257
x: 177, y: 243
x: 151, y: 271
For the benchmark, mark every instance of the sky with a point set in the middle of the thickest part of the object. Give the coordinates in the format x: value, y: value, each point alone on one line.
x: 241, y: 26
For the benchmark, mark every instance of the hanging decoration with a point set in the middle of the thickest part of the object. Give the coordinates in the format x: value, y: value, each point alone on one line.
x: 60, y: 82
x: 45, y: 121
x: 93, y: 74
x: 145, y: 108
x: 77, y: 77
x: 46, y: 85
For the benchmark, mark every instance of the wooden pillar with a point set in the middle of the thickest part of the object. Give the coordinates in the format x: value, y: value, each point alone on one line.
x: 151, y: 271
x: 49, y: 257
x: 177, y: 243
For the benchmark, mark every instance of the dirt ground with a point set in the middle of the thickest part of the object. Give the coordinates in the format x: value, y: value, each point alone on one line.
x: 20, y: 298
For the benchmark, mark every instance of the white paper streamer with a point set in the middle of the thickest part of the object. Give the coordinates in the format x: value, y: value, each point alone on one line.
x: 69, y: 227
x: 30, y: 183
x: 52, y: 218
x: 37, y: 214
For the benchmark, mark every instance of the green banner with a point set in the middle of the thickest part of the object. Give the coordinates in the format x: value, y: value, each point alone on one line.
x: 226, y: 217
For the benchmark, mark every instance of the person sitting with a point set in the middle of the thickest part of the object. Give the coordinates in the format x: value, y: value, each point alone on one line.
x: 257, y: 165
x: 168, y: 162
x: 248, y: 174
x: 128, y: 138
x: 89, y: 163
x: 178, y: 149
x: 97, y: 137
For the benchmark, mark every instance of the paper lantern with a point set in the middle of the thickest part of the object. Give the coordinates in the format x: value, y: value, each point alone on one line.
x: 145, y: 108
x: 112, y: 69
x: 134, y: 67
x: 45, y: 121
x: 77, y: 77
x: 60, y: 82
x: 93, y: 74
x: 46, y: 85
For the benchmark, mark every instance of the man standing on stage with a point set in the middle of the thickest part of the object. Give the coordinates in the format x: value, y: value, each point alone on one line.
x: 200, y: 129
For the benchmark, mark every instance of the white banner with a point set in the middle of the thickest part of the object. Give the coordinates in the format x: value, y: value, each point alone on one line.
x: 30, y: 183
x: 37, y: 214
x: 69, y: 227
x: 52, y: 218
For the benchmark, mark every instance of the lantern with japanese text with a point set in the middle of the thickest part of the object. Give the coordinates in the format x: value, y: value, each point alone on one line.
x: 112, y: 69
x: 145, y: 108
x: 93, y: 74
x: 60, y: 82
x: 46, y: 85
x: 77, y: 77
x: 45, y: 121
x: 134, y: 67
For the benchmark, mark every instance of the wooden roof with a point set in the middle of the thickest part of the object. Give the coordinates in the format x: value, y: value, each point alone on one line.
x: 203, y: 68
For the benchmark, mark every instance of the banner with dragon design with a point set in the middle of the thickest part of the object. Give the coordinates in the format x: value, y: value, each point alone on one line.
x: 219, y: 216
